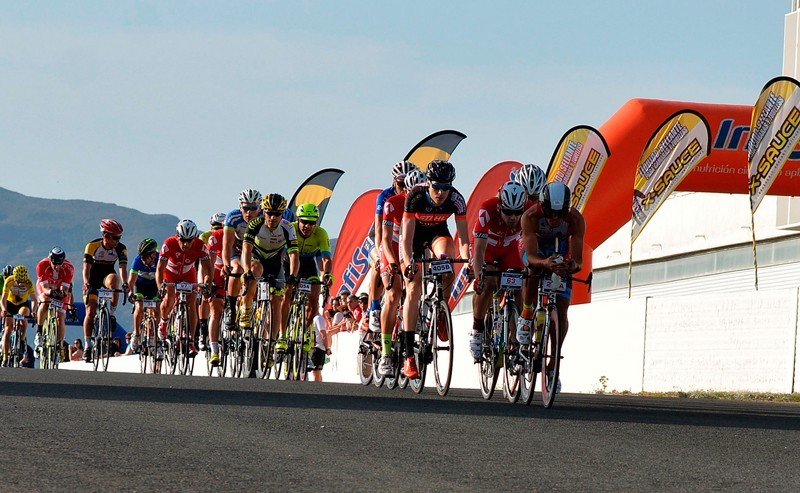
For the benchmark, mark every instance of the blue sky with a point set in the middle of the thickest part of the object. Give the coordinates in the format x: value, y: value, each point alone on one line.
x: 173, y: 107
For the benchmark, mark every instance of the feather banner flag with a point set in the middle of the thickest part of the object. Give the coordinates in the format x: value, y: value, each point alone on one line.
x: 674, y: 149
x: 578, y: 161
x: 774, y: 132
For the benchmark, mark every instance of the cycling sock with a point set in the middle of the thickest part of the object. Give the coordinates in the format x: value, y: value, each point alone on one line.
x: 409, y: 337
x: 214, y: 347
x: 478, y: 325
x: 87, y: 341
x: 113, y: 310
x: 386, y: 344
x: 376, y: 305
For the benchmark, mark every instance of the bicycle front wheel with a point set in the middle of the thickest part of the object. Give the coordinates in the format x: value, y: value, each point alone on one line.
x: 442, y: 346
x: 264, y: 357
x: 511, y: 370
x: 488, y: 372
x: 365, y: 360
x: 551, y: 358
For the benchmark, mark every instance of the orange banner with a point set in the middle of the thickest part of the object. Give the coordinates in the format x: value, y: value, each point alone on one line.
x: 351, y: 253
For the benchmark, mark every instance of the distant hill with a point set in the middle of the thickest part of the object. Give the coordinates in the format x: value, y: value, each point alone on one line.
x: 30, y: 227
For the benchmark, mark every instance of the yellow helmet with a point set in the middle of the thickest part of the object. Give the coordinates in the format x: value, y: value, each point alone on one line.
x: 273, y: 202
x: 20, y: 273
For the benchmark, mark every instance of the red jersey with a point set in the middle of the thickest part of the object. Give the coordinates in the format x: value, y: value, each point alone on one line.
x: 393, y: 216
x: 51, y: 277
x: 181, y: 262
x: 214, y: 246
x: 500, y: 237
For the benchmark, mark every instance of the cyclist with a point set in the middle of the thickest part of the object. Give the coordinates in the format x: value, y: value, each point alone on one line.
x: 8, y: 271
x: 176, y: 264
x: 552, y: 234
x: 314, y: 249
x: 234, y: 229
x: 216, y: 222
x: 142, y: 283
x: 99, y: 258
x: 425, y: 217
x: 399, y: 172
x: 496, y: 236
x: 532, y: 178
x: 214, y: 245
x: 266, y: 239
x: 17, y: 291
x: 52, y: 273
x: 390, y: 266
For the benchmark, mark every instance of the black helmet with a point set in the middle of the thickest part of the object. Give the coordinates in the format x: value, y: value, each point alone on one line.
x: 441, y: 171
x: 147, y: 245
x: 57, y: 255
x: 273, y: 202
x: 555, y: 199
x: 8, y: 270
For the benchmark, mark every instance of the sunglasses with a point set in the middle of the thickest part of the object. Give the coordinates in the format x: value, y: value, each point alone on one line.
x: 307, y: 223
x: 441, y: 186
x: 57, y: 264
x: 113, y: 237
x: 186, y: 240
x: 509, y: 212
x: 550, y: 214
x: 250, y: 208
x: 273, y: 213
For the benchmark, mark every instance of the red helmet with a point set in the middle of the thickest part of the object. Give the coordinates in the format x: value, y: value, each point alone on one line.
x: 111, y: 226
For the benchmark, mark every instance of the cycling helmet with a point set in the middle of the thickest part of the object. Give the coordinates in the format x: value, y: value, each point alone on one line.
x: 57, y: 255
x: 401, y: 169
x: 20, y: 273
x: 8, y: 270
x: 147, y: 245
x: 218, y: 219
x: 308, y: 211
x: 111, y: 226
x: 250, y: 195
x: 414, y: 177
x: 274, y: 202
x: 441, y: 171
x: 512, y: 196
x: 555, y: 199
x: 186, y: 229
x: 532, y: 178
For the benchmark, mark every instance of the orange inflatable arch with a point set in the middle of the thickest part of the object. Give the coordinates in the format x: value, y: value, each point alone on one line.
x: 725, y: 170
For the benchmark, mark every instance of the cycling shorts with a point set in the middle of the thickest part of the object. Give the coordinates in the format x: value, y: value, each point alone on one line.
x: 146, y: 291
x: 508, y: 258
x: 14, y: 308
x: 429, y: 235
x: 171, y: 277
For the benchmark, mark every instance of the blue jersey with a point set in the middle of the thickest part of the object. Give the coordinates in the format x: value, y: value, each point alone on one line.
x: 146, y: 273
x: 235, y: 221
x: 382, y: 197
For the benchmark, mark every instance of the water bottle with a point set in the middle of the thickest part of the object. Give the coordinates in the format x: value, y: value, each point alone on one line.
x: 539, y: 318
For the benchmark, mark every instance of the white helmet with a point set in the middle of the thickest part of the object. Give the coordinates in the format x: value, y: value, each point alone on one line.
x: 218, y: 218
x: 186, y: 229
x: 512, y: 196
x: 414, y: 177
x: 250, y: 196
x: 401, y: 169
x: 532, y: 178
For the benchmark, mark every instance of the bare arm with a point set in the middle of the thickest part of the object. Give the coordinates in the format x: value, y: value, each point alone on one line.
x: 407, y: 233
x: 463, y: 238
x: 386, y: 236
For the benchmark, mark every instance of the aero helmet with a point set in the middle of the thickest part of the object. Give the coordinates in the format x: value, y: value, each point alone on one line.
x: 57, y: 255
x: 555, y: 199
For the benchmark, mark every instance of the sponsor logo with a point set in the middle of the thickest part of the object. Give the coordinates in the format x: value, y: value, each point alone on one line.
x: 776, y: 149
x: 689, y: 155
x: 735, y: 138
x: 592, y: 160
x: 568, y: 161
x: 664, y: 149
x: 357, y: 267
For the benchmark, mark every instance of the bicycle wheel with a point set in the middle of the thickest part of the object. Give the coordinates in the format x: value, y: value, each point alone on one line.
x: 442, y: 347
x: 248, y: 354
x: 551, y: 357
x: 264, y: 360
x: 144, y: 357
x: 182, y: 333
x: 422, y: 346
x: 365, y: 360
x: 488, y: 372
x: 393, y: 380
x: 511, y: 369
x: 48, y: 338
x: 224, y: 348
x: 235, y: 355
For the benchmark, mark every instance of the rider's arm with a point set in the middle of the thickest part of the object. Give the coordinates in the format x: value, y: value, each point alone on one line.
x: 160, y: 268
x: 327, y: 264
x: 294, y: 262
x: 247, y: 254
x: 87, y: 271
x: 228, y: 235
x: 207, y: 270
x: 463, y: 237
x: 123, y: 271
x: 386, y: 238
x: 578, y: 230
x: 132, y: 277
x: 478, y: 254
x: 407, y: 228
x: 530, y: 242
x: 379, y: 228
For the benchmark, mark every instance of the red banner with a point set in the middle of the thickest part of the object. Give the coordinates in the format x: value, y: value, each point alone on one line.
x: 487, y: 187
x: 351, y: 254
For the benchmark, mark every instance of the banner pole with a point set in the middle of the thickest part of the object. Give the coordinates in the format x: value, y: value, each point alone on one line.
x: 755, y: 257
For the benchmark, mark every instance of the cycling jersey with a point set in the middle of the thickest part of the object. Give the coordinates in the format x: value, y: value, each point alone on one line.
x: 385, y: 194
x: 502, y: 240
x: 393, y: 216
x: 48, y: 277
x: 267, y: 242
x: 547, y: 235
x: 17, y: 293
x: 146, y: 278
x: 180, y: 263
x: 205, y: 235
x: 316, y: 246
x: 432, y: 219
x: 102, y: 257
x: 214, y: 245
x: 236, y: 223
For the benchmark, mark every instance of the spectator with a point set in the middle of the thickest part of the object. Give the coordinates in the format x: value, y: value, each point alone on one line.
x: 336, y: 304
x: 321, y: 348
x: 128, y: 345
x: 76, y: 352
x: 344, y: 295
x: 355, y: 308
x: 63, y: 354
x: 116, y: 347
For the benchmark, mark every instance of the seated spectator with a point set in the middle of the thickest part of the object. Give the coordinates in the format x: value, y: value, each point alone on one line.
x: 63, y: 354
x: 129, y: 346
x: 76, y: 351
x: 116, y: 347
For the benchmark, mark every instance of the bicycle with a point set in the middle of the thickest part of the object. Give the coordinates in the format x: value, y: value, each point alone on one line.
x: 369, y: 355
x: 259, y: 343
x: 148, y: 343
x: 178, y: 331
x: 101, y: 334
x: 434, y: 331
x: 543, y: 355
x: 397, y: 378
x: 49, y: 356
x: 298, y: 335
x: 500, y: 321
x: 18, y: 345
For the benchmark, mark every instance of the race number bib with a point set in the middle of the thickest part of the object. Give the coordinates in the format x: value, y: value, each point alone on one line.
x: 304, y: 287
x: 511, y: 280
x: 105, y: 294
x: 148, y: 304
x: 441, y: 267
x: 551, y: 286
x: 17, y: 316
x: 184, y: 287
x: 59, y: 306
x: 263, y: 291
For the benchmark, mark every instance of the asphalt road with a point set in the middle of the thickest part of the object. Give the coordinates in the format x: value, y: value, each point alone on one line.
x: 70, y: 430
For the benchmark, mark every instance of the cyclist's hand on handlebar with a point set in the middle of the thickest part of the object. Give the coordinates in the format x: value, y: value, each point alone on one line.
x: 205, y: 290
x: 291, y: 280
x: 131, y: 298
x: 478, y: 285
x: 227, y: 270
x: 328, y: 279
x: 411, y: 270
x: 470, y: 273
